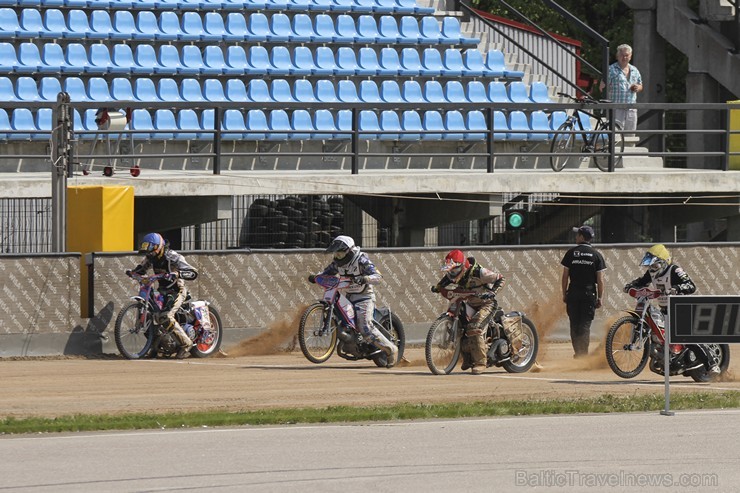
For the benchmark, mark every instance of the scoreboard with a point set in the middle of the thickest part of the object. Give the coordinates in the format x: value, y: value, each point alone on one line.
x: 704, y: 319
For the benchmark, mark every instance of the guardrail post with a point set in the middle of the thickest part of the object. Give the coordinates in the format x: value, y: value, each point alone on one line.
x: 355, y: 141
x: 489, y: 140
x: 217, y: 141
x: 61, y: 169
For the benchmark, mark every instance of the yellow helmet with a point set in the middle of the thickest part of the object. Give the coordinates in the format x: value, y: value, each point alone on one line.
x: 657, y: 258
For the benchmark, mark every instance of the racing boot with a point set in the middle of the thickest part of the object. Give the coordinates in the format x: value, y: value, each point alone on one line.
x: 392, y: 356
x: 467, y: 363
x: 185, y: 343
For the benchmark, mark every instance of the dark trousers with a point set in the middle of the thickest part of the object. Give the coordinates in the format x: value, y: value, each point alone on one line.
x: 581, y: 308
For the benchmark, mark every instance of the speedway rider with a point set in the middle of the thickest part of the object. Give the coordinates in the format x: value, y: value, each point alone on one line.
x: 162, y: 260
x: 350, y: 261
x: 669, y: 278
x: 469, y: 275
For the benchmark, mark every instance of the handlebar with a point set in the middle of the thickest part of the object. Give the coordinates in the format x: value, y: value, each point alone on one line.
x: 144, y: 279
x: 647, y: 293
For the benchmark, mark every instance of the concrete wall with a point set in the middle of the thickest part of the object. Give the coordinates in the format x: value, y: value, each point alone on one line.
x: 255, y: 290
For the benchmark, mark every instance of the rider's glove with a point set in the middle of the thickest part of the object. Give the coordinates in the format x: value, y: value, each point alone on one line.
x: 311, y: 278
x: 361, y: 280
x: 435, y: 289
x: 128, y: 272
x: 171, y: 276
x: 627, y: 287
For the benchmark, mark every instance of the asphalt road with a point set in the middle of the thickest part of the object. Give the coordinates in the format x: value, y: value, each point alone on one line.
x: 640, y: 452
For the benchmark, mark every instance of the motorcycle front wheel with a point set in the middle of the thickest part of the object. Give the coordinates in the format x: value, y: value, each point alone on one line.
x: 524, y: 356
x: 626, y: 350
x: 210, y: 342
x: 317, y: 343
x: 443, y: 344
x: 133, y: 331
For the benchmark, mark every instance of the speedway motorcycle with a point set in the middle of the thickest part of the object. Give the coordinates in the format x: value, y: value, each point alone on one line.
x: 639, y: 337
x: 141, y: 325
x: 329, y: 324
x: 511, y: 337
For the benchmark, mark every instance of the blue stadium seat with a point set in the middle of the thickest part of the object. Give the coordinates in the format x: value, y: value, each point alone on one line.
x: 97, y: 89
x: 100, y: 25
x: 410, y: 62
x: 474, y: 64
x: 385, y: 6
x: 497, y: 92
x: 538, y: 93
x: 120, y: 89
x: 431, y: 62
x: 259, y: 61
x: 122, y: 58
x: 390, y: 92
x: 389, y: 122
x: 236, y: 27
x: 280, y: 91
x: 342, y: 5
x: 500, y: 126
x: 43, y: 122
x: 100, y: 62
x: 346, y: 29
x: 300, y: 5
x: 303, y: 90
x: 169, y: 27
x: 169, y: 60
x: 281, y: 61
x: 145, y: 90
x: 476, y: 92
x: 369, y: 123
x: 451, y: 31
x: 257, y: 90
x: 281, y: 30
x: 433, y: 125
x: 9, y: 26
x: 369, y: 92
x: 213, y: 91
x: 76, y: 57
x: 236, y: 91
x: 347, y: 92
x: 409, y: 29
x: 455, y: 126
x: 147, y: 26
x: 191, y: 91
x: 453, y: 63
x: 31, y: 24
x: 124, y: 25
x: 430, y: 31
x: 557, y: 118
x: 325, y: 91
x: 192, y: 61
x: 411, y: 92
x: 145, y: 60
x: 55, y: 25
x: 78, y: 23
x: 325, y: 30
x: 29, y: 58
x: 214, y: 29
x: 303, y: 62
x: 164, y: 125
x: 495, y: 63
x: 367, y: 29
x: 411, y: 122
x: 278, y: 122
x: 388, y: 30
x: 236, y: 60
x: 345, y: 125
x: 4, y: 124
x: 76, y: 89
x: 323, y: 122
x: 142, y: 124
x: 367, y: 61
x: 8, y: 58
x: 235, y: 128
x: 301, y: 125
x: 168, y: 90
x: 303, y: 30
x: 475, y: 123
x: 25, y: 89
x: 389, y: 62
x: 518, y: 125
x: 52, y: 59
x: 433, y: 92
x: 258, y: 27
x: 215, y: 64
x: 412, y: 7
x: 49, y: 88
x: 455, y: 92
x: 324, y: 63
x: 192, y: 27
x: 346, y: 61
x: 321, y: 5
x: 187, y: 125
x: 539, y: 122
x: 518, y: 92
x: 22, y: 120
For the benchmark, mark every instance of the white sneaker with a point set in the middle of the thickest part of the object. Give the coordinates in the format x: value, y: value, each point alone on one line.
x: 391, y: 358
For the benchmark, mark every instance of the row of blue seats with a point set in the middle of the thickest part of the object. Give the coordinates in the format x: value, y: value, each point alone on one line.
x: 145, y: 89
x: 380, y: 6
x: 256, y: 27
x: 257, y: 60
x: 301, y: 125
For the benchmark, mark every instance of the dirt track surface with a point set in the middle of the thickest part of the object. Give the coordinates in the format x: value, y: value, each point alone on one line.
x: 65, y: 386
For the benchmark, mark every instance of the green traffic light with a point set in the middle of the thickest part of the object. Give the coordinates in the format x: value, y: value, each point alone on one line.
x: 516, y: 220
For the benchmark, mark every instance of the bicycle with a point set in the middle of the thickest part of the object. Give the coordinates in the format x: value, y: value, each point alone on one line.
x: 595, y: 142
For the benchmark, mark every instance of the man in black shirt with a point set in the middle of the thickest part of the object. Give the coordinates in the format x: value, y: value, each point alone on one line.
x: 583, y: 287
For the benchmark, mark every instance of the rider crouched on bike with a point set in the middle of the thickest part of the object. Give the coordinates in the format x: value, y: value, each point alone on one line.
x: 469, y: 275
x: 670, y: 279
x: 350, y: 261
x: 163, y: 260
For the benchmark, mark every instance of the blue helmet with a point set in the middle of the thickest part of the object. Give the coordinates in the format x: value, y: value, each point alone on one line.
x: 152, y: 245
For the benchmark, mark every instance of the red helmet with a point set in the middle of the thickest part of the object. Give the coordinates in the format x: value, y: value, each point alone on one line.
x: 455, y: 264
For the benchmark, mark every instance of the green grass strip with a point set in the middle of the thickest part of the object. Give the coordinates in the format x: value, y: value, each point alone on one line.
x: 342, y: 414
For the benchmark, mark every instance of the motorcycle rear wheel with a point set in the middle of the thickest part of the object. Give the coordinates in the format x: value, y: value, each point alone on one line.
x: 442, y: 348
x: 529, y: 347
x: 722, y: 352
x: 394, y: 327
x: 210, y: 343
x: 316, y: 345
x: 133, y: 339
x: 626, y: 357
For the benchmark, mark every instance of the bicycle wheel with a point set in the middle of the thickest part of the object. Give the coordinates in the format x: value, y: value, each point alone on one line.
x: 317, y: 343
x: 562, y: 143
x: 627, y: 350
x: 601, y: 145
x: 133, y: 331
x: 443, y: 345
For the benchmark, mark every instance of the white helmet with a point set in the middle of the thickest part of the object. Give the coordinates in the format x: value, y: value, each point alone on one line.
x: 340, y: 247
